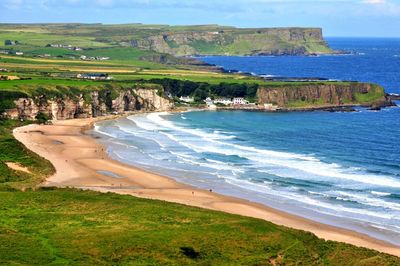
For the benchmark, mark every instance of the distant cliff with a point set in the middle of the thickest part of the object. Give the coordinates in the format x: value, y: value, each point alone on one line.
x: 184, y: 40
x: 298, y: 96
x: 85, y: 103
x: 234, y: 41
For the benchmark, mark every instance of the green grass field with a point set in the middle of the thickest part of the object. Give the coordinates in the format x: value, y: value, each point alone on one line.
x: 71, y: 227
x: 42, y: 38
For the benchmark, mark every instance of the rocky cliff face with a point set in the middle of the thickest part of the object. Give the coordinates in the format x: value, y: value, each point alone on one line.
x: 315, y: 95
x: 273, y: 41
x: 99, y: 103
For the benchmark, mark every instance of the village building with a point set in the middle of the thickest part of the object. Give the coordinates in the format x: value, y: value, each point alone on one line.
x: 186, y: 99
x: 210, y: 104
x: 19, y: 53
x: 94, y: 76
x: 224, y: 101
x: 44, y: 55
x: 208, y: 101
x: 69, y: 46
x: 93, y: 58
x: 101, y: 58
x: 239, y: 101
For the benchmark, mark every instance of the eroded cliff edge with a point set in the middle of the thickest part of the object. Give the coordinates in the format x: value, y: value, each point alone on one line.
x: 61, y: 103
x: 316, y: 95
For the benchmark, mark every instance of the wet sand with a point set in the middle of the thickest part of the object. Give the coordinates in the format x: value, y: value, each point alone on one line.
x: 82, y: 162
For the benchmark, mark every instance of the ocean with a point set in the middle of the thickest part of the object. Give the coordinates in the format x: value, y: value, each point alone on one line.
x: 370, y: 60
x: 338, y: 168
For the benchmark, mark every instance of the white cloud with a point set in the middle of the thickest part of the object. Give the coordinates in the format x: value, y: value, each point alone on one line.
x: 374, y: 2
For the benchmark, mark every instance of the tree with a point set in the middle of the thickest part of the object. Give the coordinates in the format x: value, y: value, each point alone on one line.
x: 200, y: 94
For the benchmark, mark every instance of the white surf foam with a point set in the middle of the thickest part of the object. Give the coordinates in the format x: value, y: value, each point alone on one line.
x: 311, y: 203
x: 211, y: 142
x: 382, y: 194
x: 98, y: 130
x: 368, y: 201
x: 157, y: 119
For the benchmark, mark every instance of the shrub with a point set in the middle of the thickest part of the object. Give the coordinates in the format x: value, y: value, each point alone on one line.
x: 190, y: 252
x: 42, y: 118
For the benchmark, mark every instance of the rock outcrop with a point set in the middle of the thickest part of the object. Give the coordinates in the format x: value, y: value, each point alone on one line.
x: 99, y: 103
x: 319, y: 95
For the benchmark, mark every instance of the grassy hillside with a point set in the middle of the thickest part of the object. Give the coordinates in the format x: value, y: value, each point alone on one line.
x: 176, y: 40
x: 14, y: 151
x: 65, y: 226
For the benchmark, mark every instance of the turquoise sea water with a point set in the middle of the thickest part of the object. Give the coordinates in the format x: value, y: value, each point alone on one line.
x: 337, y: 168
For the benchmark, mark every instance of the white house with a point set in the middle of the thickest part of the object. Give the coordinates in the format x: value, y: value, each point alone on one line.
x: 239, y: 101
x: 186, y: 99
x: 102, y: 58
x: 19, y: 53
x: 94, y: 76
x: 210, y: 103
x: 225, y: 101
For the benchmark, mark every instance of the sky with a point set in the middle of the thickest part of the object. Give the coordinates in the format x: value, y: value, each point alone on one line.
x: 356, y: 18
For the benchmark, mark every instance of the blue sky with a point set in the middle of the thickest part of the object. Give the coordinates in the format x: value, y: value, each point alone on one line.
x: 370, y: 18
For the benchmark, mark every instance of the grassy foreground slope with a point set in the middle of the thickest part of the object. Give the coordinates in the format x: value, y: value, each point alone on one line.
x: 13, y: 151
x: 66, y: 226
x: 74, y: 227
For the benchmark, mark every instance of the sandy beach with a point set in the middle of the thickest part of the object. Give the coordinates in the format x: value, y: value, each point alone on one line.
x: 82, y: 162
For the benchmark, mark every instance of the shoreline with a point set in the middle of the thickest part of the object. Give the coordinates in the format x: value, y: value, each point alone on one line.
x: 83, y: 162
